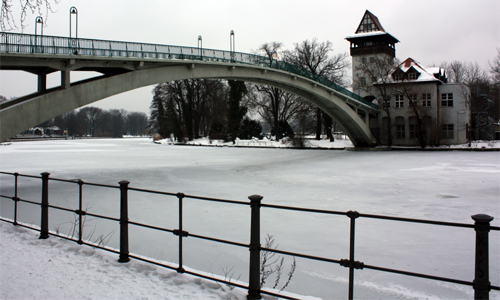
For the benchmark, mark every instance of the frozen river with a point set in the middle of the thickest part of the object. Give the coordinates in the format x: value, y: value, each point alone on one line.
x: 445, y: 186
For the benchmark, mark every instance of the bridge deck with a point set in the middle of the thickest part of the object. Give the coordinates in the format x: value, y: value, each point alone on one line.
x: 63, y: 46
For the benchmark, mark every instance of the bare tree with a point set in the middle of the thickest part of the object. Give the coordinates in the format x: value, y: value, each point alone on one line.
x: 476, y: 89
x: 137, y: 123
x: 91, y: 116
x: 274, y: 105
x: 271, y: 50
x: 456, y: 71
x: 374, y: 77
x: 494, y: 67
x: 315, y: 57
x: 26, y: 7
x: 183, y: 107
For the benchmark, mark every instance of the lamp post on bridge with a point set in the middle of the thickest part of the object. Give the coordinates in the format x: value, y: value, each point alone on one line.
x: 38, y: 20
x: 73, y: 42
x: 200, y: 46
x: 73, y: 11
x: 231, y: 44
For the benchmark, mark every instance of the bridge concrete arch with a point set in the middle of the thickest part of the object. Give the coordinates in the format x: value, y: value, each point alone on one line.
x: 34, y: 111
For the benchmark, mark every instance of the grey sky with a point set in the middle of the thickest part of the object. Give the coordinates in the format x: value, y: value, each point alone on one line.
x: 429, y: 31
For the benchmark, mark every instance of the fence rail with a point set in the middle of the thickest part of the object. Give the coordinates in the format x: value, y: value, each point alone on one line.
x: 56, y: 45
x: 480, y: 284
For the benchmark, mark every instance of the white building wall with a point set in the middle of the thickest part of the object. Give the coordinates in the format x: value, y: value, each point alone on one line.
x: 357, y: 73
x: 458, y: 114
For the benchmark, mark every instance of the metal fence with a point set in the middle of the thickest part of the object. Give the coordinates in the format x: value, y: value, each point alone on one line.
x: 480, y: 284
x: 54, y: 45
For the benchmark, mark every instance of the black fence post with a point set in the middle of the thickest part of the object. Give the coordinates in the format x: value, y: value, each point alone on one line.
x: 254, y: 278
x: 181, y: 233
x: 352, y: 215
x: 80, y: 211
x: 481, y: 281
x: 124, y: 221
x: 16, y: 199
x: 44, y: 226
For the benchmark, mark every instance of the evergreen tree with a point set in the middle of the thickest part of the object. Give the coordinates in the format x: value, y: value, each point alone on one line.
x: 250, y: 129
x: 236, y: 112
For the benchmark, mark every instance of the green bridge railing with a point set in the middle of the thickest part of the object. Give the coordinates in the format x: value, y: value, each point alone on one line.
x: 36, y: 44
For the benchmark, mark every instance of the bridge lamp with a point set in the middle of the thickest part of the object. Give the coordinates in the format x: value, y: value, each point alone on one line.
x: 39, y: 20
x: 231, y: 41
x: 200, y: 45
x: 73, y: 11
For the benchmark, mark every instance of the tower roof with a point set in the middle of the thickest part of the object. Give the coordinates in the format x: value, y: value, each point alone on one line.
x: 369, y: 23
x: 370, y: 28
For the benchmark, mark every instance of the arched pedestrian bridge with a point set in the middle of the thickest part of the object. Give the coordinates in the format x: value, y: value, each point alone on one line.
x: 126, y: 66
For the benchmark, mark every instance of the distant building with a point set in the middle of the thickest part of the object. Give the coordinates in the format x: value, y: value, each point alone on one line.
x: 407, y: 93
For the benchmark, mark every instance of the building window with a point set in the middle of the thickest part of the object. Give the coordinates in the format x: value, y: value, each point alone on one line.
x: 413, y: 131
x: 399, y: 101
x: 412, y: 76
x: 367, y: 24
x: 447, y: 99
x: 372, y: 59
x: 426, y: 99
x: 387, y: 102
x: 364, y: 60
x: 447, y: 131
x: 400, y: 131
x: 362, y: 81
x: 398, y: 76
x: 414, y: 98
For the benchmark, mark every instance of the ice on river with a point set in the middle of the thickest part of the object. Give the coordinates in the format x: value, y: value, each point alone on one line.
x: 447, y: 186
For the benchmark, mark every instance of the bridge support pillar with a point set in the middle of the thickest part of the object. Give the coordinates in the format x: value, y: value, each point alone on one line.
x: 42, y: 81
x: 65, y: 79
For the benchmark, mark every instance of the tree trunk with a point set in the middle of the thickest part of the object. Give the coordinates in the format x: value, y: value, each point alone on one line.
x: 327, y: 120
x: 318, y: 124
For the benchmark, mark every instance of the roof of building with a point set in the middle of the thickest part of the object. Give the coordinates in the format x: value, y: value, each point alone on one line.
x: 409, y: 65
x: 370, y: 26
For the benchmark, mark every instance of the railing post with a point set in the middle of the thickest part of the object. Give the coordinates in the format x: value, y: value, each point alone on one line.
x: 16, y: 199
x: 44, y: 226
x: 181, y: 233
x: 254, y: 278
x: 80, y: 212
x: 124, y: 221
x: 482, y: 275
x: 353, y: 215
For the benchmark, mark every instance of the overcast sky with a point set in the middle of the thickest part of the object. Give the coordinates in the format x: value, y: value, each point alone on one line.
x: 429, y: 31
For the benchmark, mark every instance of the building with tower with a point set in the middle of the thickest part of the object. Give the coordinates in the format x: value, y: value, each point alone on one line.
x: 417, y: 105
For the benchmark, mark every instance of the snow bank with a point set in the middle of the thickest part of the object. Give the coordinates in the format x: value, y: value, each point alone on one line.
x: 60, y: 269
x: 341, y: 142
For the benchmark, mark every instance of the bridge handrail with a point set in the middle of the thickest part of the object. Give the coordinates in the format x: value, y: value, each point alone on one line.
x: 28, y: 43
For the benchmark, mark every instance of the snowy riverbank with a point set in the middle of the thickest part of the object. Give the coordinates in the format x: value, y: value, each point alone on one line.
x: 54, y: 268
x: 60, y: 269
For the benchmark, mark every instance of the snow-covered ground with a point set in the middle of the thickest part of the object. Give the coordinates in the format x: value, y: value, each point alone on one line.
x: 58, y: 269
x: 448, y: 186
x: 341, y: 142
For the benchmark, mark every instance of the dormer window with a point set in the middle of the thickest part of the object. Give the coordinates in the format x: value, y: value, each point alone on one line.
x: 412, y: 76
x: 398, y: 76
